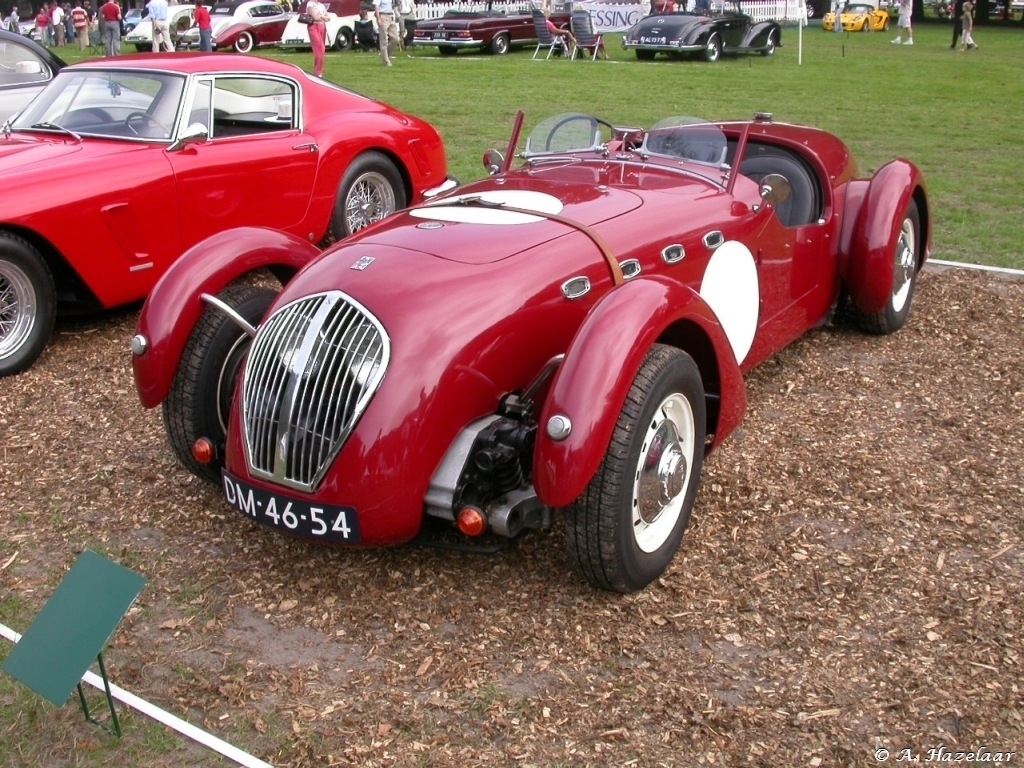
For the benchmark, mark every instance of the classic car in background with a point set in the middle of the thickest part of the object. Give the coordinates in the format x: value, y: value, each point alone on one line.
x: 179, y: 19
x: 490, y: 30
x: 341, y: 18
x: 132, y: 19
x: 241, y: 25
x: 725, y: 29
x: 857, y: 17
x: 25, y: 69
x: 568, y: 335
x: 120, y: 165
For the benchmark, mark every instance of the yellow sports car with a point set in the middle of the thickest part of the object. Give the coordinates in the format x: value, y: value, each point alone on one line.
x: 857, y: 17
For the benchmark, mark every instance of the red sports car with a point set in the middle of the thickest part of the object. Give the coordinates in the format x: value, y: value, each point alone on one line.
x: 120, y: 165
x: 567, y: 336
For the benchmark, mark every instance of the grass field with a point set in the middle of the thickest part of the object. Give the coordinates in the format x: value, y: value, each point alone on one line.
x: 959, y: 116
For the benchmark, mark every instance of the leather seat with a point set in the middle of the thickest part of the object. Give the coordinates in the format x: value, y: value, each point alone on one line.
x: 804, y: 204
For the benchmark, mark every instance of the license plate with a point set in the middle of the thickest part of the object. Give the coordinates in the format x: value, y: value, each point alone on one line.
x: 440, y: 35
x: 294, y: 41
x: 295, y: 516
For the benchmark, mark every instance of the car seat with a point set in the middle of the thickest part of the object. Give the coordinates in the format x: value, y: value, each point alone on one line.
x: 804, y: 204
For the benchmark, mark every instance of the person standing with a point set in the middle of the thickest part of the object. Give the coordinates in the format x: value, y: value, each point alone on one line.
x: 80, y: 21
x: 57, y: 19
x: 387, y: 29
x: 12, y: 19
x: 958, y: 22
x: 967, y: 22
x: 406, y: 22
x: 906, y: 9
x: 110, y: 19
x: 318, y: 34
x: 157, y: 10
x: 205, y: 27
x: 43, y: 25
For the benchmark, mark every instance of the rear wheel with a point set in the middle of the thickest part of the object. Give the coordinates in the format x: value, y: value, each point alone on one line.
x: 244, y: 43
x: 906, y: 257
x: 28, y: 304
x: 343, y: 41
x: 770, y: 45
x: 199, y: 402
x: 371, y: 190
x: 500, y: 45
x: 713, y: 49
x: 627, y: 526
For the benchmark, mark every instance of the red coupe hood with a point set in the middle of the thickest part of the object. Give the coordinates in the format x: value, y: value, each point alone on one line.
x: 489, y: 221
x: 31, y: 152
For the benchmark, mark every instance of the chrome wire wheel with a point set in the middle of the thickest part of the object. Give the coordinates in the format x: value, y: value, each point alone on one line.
x: 663, y: 472
x: 17, y: 309
x: 370, y: 199
x: 906, y: 264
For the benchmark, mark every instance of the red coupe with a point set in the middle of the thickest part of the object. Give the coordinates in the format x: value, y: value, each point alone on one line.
x: 567, y: 336
x: 119, y: 165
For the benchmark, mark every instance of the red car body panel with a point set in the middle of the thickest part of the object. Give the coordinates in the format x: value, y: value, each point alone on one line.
x: 118, y: 213
x: 476, y: 305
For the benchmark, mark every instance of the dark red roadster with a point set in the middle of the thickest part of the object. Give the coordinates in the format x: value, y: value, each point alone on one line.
x: 568, y: 336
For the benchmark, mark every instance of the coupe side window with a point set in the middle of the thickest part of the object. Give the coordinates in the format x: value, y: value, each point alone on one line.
x: 19, y: 65
x: 245, y: 106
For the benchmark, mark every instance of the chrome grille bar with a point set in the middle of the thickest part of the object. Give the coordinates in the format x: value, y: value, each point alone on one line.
x: 313, y: 368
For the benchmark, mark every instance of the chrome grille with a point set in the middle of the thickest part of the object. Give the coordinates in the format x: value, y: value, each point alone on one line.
x: 312, y: 370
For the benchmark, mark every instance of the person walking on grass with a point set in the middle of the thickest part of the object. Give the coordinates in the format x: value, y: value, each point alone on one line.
x: 906, y: 9
x: 967, y: 23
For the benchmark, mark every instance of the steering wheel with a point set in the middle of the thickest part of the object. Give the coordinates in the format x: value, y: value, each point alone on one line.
x: 144, y: 117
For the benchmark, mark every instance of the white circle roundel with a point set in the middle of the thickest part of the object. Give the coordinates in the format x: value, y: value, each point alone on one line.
x: 731, y: 289
x: 443, y: 210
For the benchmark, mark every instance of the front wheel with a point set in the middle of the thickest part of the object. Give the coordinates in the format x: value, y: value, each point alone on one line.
x: 28, y: 304
x: 371, y: 190
x: 906, y: 257
x: 627, y: 526
x: 244, y: 43
x: 199, y: 402
x: 713, y: 49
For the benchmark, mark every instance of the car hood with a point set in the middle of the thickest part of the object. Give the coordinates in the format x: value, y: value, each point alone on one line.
x: 32, y: 152
x: 454, y: 227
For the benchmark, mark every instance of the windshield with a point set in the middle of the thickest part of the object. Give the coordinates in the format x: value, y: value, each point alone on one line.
x: 686, y: 138
x: 128, y: 105
x: 678, y: 138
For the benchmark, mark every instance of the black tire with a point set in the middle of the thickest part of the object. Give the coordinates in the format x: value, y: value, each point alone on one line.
x: 244, y: 43
x: 713, y: 49
x: 642, y: 55
x: 885, y: 25
x: 500, y: 45
x: 371, y: 190
x: 200, y: 397
x: 28, y: 304
x: 447, y: 50
x: 143, y: 47
x: 866, y: 27
x: 627, y: 526
x: 343, y: 42
x: 906, y: 258
x: 770, y: 45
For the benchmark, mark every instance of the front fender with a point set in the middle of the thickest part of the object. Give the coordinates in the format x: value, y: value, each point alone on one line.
x: 868, y: 267
x: 174, y: 306
x: 599, y: 368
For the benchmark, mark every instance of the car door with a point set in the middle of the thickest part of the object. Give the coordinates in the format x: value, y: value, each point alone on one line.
x: 258, y: 166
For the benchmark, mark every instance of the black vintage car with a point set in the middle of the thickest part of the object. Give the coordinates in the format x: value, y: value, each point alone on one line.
x: 722, y: 27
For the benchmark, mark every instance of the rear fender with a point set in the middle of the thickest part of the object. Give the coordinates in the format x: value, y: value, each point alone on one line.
x: 601, y: 363
x: 174, y: 305
x: 757, y: 35
x: 869, y: 235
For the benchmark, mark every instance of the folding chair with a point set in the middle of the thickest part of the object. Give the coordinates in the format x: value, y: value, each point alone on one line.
x: 544, y: 37
x: 586, y: 38
x: 96, y: 45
